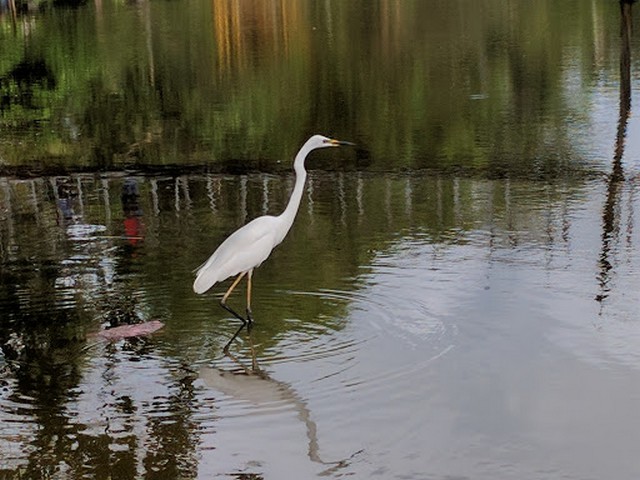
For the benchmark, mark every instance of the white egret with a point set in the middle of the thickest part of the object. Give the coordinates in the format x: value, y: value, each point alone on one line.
x: 249, y: 246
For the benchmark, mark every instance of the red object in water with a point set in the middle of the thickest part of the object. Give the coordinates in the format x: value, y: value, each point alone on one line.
x: 126, y: 331
x: 133, y: 229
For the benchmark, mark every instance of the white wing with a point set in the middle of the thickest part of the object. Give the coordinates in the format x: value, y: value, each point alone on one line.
x: 243, y: 250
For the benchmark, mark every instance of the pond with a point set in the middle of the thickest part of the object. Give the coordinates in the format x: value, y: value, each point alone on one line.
x: 457, y: 298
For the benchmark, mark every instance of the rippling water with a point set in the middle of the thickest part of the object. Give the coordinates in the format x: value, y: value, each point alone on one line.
x: 478, y: 328
x: 468, y: 353
x: 458, y: 297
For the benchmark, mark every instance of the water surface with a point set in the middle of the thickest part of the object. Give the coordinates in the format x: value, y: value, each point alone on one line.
x: 457, y: 298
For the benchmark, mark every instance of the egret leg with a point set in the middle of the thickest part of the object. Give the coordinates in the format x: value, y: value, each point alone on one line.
x: 226, y: 347
x: 249, y: 316
x: 248, y: 322
x: 223, y: 302
x: 255, y: 368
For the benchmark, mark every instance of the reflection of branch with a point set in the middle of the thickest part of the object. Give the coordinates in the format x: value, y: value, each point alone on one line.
x: 610, y: 214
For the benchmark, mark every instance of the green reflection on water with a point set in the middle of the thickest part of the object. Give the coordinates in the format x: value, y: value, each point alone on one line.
x: 495, y: 87
x: 488, y: 86
x: 130, y: 244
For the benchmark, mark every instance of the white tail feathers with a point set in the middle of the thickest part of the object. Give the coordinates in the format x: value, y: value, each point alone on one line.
x: 204, y: 281
x: 214, y: 270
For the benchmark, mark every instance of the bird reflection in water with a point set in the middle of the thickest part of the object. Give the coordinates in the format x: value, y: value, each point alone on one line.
x: 250, y: 384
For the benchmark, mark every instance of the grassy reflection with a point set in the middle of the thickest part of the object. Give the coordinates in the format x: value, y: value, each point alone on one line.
x: 237, y: 85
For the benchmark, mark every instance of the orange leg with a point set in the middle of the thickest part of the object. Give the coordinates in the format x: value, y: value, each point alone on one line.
x: 233, y: 285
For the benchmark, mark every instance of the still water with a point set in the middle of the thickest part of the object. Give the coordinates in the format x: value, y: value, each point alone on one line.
x: 458, y: 297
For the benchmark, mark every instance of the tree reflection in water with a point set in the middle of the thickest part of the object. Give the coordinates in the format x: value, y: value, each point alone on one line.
x: 71, y: 264
x: 616, y: 182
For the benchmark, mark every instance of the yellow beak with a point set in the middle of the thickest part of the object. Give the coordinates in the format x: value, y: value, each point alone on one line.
x: 338, y: 143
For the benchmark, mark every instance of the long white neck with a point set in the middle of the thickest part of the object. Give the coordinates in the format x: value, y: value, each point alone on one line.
x: 289, y: 213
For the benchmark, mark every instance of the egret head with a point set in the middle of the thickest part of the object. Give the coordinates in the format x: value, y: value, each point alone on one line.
x: 320, y: 141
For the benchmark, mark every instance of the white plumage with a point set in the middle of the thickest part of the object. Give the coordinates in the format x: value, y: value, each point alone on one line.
x: 249, y: 246
x: 242, y: 251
